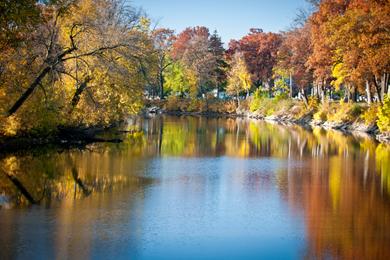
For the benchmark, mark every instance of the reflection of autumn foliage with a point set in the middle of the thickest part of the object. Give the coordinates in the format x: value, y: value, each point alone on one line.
x: 191, y: 137
x: 343, y: 190
x: 339, y: 182
x: 383, y: 165
x: 46, y: 179
x: 347, y: 214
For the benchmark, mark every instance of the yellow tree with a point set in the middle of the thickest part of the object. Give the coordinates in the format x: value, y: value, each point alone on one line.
x: 81, y: 60
x: 239, y: 78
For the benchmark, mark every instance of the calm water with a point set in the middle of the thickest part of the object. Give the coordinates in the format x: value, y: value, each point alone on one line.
x: 198, y: 188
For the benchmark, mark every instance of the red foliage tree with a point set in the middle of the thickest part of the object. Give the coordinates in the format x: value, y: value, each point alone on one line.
x: 260, y: 54
x: 292, y: 56
x: 201, y: 53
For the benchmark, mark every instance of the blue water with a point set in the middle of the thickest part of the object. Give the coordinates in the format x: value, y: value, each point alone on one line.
x: 205, y: 199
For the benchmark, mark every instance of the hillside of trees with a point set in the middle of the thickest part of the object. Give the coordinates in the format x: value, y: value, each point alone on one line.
x: 94, y: 62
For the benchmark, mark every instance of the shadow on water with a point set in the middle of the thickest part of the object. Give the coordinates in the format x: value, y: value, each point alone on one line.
x: 198, y: 180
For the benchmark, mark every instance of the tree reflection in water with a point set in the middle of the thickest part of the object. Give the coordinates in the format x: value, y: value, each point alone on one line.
x: 339, y: 184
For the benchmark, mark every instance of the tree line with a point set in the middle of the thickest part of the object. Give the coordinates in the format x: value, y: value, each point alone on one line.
x: 86, y: 62
x: 339, y: 49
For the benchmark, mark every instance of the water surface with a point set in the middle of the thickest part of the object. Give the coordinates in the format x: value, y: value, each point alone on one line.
x: 200, y: 188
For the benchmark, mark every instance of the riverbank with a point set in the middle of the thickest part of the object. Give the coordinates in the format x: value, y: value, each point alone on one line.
x: 64, y: 137
x: 348, y: 118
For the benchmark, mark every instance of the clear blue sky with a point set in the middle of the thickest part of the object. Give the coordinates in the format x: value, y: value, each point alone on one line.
x: 232, y: 18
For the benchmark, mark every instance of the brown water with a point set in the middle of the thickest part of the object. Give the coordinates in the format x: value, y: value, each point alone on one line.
x: 199, y: 188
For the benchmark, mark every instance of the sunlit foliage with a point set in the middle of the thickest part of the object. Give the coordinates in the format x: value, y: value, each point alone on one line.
x: 239, y: 79
x: 384, y: 115
x: 74, y: 67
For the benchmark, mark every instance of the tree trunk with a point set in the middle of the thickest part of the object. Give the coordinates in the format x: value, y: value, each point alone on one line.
x: 304, y: 97
x: 319, y: 92
x: 77, y: 94
x: 315, y: 91
x: 388, y: 87
x: 59, y: 59
x: 29, y: 91
x: 368, y: 93
x: 347, y: 94
x: 291, y: 86
x: 353, y: 94
x: 383, y: 86
x: 323, y: 92
x: 387, y: 83
x: 378, y: 90
x: 161, y: 86
x: 268, y: 86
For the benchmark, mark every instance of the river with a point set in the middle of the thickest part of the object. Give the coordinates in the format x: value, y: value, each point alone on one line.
x: 200, y: 188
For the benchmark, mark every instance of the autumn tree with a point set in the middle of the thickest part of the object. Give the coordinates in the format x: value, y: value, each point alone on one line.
x: 349, y: 39
x: 80, y: 57
x: 239, y: 78
x: 179, y: 80
x: 17, y: 19
x: 162, y: 40
x: 260, y: 54
x: 359, y: 38
x: 291, y: 60
x: 193, y: 49
x: 320, y: 60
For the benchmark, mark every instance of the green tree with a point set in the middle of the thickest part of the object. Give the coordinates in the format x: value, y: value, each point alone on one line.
x: 177, y: 79
x: 218, y: 75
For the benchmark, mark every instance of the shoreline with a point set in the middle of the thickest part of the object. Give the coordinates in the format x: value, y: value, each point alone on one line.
x: 64, y: 138
x: 306, y: 121
x: 67, y: 138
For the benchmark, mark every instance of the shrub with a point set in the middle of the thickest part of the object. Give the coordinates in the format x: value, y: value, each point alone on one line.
x: 271, y: 106
x: 283, y: 106
x: 262, y: 106
x: 313, y: 103
x: 320, y: 116
x: 384, y: 115
x: 344, y: 112
x: 298, y: 111
x: 229, y: 106
x: 370, y: 116
x: 255, y: 104
x: 172, y: 103
x: 260, y: 99
x: 222, y: 106
x: 355, y: 111
x: 323, y: 112
x: 281, y: 96
x: 195, y: 105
